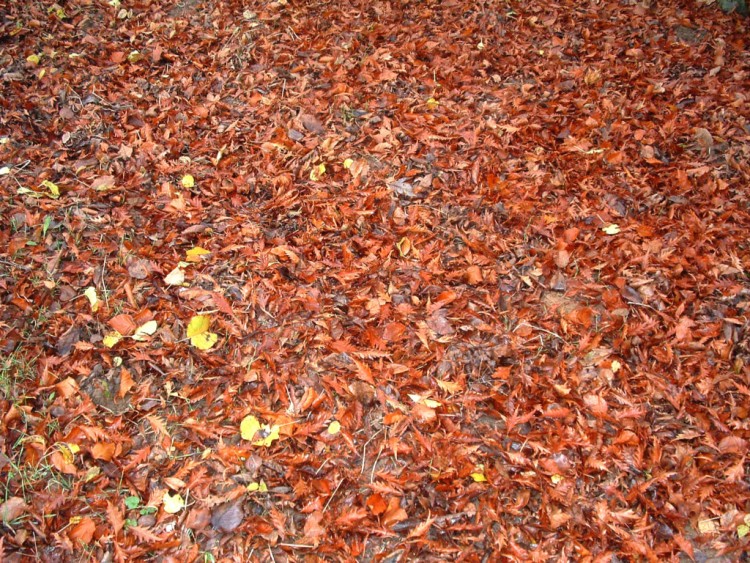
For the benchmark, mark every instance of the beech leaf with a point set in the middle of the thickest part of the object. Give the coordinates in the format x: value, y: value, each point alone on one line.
x: 90, y: 294
x: 144, y: 331
x: 111, y: 339
x: 172, y: 504
x: 334, y: 428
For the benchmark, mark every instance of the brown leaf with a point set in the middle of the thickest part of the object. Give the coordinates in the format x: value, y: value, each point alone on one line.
x: 733, y: 444
x: 140, y: 269
x: 12, y: 508
x: 313, y: 529
x: 228, y: 516
x: 682, y: 329
x: 558, y: 518
x: 115, y: 516
x: 198, y: 519
x: 144, y: 534
x: 596, y: 404
x: 311, y: 123
x: 562, y: 258
x: 66, y: 342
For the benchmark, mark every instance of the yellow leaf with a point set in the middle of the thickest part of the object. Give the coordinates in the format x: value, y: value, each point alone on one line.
x: 198, y: 325
x: 57, y: 10
x: 204, y: 340
x: 257, y: 487
x: 145, y: 330
x: 90, y: 294
x: 194, y: 254
x: 348, y: 163
x: 54, y: 190
x: 111, y: 339
x: 478, y: 474
x: 556, y: 478
x: 432, y: 103
x: 175, y: 277
x: 317, y: 172
x: 269, y: 433
x: 251, y: 428
x: 611, y: 229
x: 742, y: 530
x: 92, y: 473
x: 33, y: 59
x: 248, y: 427
x: 433, y: 404
x: 187, y: 181
x: 68, y: 451
x: 334, y: 428
x: 172, y: 503
x: 615, y: 366
x: 134, y: 57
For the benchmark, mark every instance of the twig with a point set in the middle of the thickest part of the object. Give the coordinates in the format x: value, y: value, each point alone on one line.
x: 375, y: 464
x: 333, y: 494
x: 364, y: 450
x: 14, y: 265
x: 539, y: 329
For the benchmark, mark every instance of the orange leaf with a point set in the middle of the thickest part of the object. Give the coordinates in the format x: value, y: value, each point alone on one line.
x: 394, y: 513
x: 313, y: 529
x: 83, y: 532
x: 115, y: 517
x: 124, y: 324
x: 103, y: 450
x: 126, y: 383
x: 473, y: 275
x: 376, y: 504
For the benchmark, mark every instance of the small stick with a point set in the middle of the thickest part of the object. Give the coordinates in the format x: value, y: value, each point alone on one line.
x: 333, y: 494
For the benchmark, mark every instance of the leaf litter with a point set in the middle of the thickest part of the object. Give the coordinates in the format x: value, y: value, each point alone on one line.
x: 383, y: 281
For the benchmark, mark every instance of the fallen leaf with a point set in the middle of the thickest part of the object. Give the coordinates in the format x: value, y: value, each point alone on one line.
x: 317, y: 172
x: 144, y: 331
x: 83, y: 531
x: 473, y: 275
x: 12, y: 508
x: 228, y: 516
x: 175, y: 277
x: 195, y: 253
x: 172, y: 504
x: 111, y: 339
x: 124, y: 324
x: 90, y: 294
x: 140, y: 269
x: 103, y: 183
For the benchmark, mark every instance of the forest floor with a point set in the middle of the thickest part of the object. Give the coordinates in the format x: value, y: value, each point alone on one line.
x: 374, y: 281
